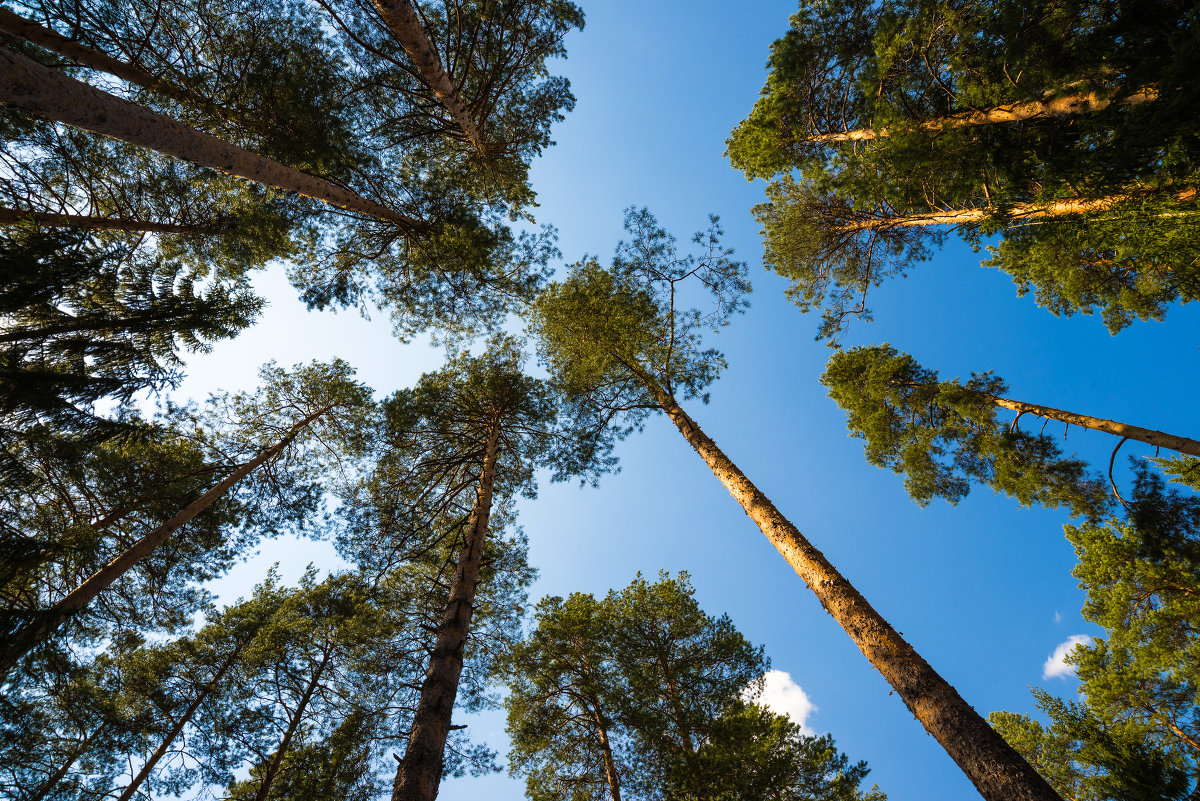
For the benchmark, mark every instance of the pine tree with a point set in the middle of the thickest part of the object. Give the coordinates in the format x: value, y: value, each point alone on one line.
x: 1061, y: 128
x: 133, y: 499
x: 1133, y: 734
x: 944, y: 435
x: 480, y: 425
x: 643, y: 695
x: 620, y: 343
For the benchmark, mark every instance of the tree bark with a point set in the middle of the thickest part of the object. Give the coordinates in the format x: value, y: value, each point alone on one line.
x: 78, y: 599
x: 179, y: 724
x: 9, y: 216
x: 402, y: 20
x: 1010, y: 112
x: 1148, y: 435
x: 81, y: 54
x: 1017, y: 213
x: 420, y: 772
x: 611, y: 776
x: 997, y: 771
x: 39, y: 90
x: 264, y: 789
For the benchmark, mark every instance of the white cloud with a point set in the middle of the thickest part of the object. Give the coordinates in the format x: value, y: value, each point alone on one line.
x: 1058, y: 617
x: 1056, y: 664
x: 783, y: 696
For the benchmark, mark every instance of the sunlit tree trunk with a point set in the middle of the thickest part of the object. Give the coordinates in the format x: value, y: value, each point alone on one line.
x: 996, y: 770
x: 1147, y: 435
x: 10, y: 216
x: 46, y: 622
x: 1010, y: 112
x: 420, y: 771
x: 1016, y: 213
x: 39, y: 90
x: 611, y: 776
x: 52, y: 781
x: 402, y: 20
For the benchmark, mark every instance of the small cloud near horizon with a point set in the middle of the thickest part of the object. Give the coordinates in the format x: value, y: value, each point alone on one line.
x: 1056, y: 666
x: 783, y: 696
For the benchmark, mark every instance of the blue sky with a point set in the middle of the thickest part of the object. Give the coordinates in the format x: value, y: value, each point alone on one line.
x: 983, y: 590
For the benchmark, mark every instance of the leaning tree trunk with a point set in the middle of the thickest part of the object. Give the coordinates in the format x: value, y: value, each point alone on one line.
x: 264, y: 789
x: 420, y: 771
x: 81, y: 54
x: 1147, y: 435
x: 402, y: 20
x: 179, y: 725
x: 996, y: 770
x: 45, y: 788
x: 39, y: 90
x: 10, y: 216
x: 45, y: 623
x: 1010, y: 112
x: 1016, y: 213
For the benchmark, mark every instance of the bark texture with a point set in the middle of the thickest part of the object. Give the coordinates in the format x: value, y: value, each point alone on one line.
x: 1010, y: 112
x: 9, y: 216
x: 39, y: 90
x: 78, y: 599
x: 179, y: 725
x: 402, y: 20
x: 1147, y: 435
x: 1017, y: 212
x: 420, y: 772
x: 996, y: 770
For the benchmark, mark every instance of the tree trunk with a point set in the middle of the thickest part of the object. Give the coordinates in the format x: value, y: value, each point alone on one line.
x: 179, y: 724
x: 420, y: 771
x: 1016, y: 213
x: 611, y: 776
x: 52, y: 781
x: 264, y: 789
x: 81, y: 54
x: 1148, y: 435
x: 402, y: 20
x: 77, y: 600
x: 39, y: 90
x: 1010, y: 112
x: 9, y: 216
x: 996, y: 770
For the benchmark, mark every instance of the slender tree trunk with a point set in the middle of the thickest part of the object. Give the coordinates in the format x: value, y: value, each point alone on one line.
x: 996, y: 770
x: 1010, y: 112
x: 1016, y: 213
x: 179, y: 725
x: 78, y: 599
x: 1147, y: 435
x: 611, y: 776
x: 277, y: 760
x: 39, y: 90
x: 9, y: 216
x: 420, y: 771
x: 402, y: 20
x: 52, y: 781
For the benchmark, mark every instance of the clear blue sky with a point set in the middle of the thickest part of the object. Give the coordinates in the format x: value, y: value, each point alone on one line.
x: 982, y: 590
